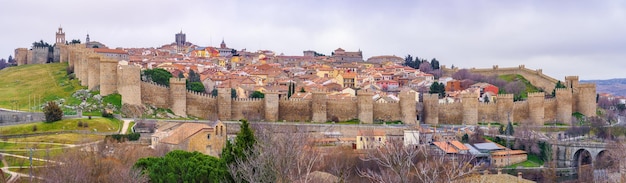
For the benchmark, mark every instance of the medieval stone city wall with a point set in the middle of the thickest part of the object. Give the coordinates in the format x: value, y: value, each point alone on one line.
x: 155, y: 95
x: 248, y: 108
x: 294, y: 110
x: 109, y: 77
x: 387, y: 111
x: 201, y: 105
x: 535, y: 77
x: 343, y: 109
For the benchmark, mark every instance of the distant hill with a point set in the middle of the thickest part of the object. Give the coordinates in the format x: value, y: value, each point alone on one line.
x: 612, y: 86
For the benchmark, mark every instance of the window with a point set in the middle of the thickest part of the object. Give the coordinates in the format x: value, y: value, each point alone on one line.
x: 380, y: 139
x: 361, y: 138
x: 208, y: 136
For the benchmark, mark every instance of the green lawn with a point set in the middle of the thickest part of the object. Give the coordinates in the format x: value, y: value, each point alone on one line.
x: 130, y: 127
x: 95, y: 124
x: 22, y: 146
x: 63, y: 138
x: 38, y: 153
x: 44, y: 82
x: 14, y: 161
x: 533, y: 161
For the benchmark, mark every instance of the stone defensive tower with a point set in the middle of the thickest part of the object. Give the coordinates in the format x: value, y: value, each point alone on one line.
x: 504, y: 103
x: 224, y: 103
x: 470, y: 108
x: 108, y: 76
x: 408, y: 107
x: 583, y: 96
x: 94, y: 72
x: 130, y: 86
x: 178, y: 97
x: 21, y: 56
x: 271, y: 106
x: 431, y: 108
x: 365, y: 105
x: 536, y: 108
x: 564, y: 105
x: 318, y: 107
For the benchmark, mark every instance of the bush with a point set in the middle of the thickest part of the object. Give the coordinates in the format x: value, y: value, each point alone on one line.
x: 107, y: 113
x: 85, y: 124
x: 80, y: 124
x: 124, y: 137
x: 34, y: 128
x: 53, y: 112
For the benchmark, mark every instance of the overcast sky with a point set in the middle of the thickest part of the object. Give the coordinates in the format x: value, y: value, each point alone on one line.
x: 585, y: 38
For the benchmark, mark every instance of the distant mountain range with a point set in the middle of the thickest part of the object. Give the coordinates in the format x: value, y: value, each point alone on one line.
x: 613, y: 86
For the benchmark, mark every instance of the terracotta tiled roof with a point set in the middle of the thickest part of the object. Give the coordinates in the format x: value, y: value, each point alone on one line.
x: 445, y: 147
x: 459, y: 145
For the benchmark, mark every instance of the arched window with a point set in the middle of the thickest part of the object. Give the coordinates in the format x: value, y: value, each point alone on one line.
x: 361, y: 138
x: 208, y: 136
x: 222, y: 130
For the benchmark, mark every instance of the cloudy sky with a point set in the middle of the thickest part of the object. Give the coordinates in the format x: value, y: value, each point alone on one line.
x: 585, y: 38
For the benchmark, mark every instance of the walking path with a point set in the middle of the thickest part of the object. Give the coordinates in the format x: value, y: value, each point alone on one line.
x: 125, y: 126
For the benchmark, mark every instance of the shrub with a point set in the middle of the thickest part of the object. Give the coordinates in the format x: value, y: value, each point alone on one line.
x: 52, y: 112
x: 34, y: 128
x: 80, y: 124
x: 107, y: 113
x: 124, y: 137
x: 85, y: 124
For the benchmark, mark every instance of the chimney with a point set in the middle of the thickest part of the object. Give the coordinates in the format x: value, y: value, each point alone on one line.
x: 519, y: 176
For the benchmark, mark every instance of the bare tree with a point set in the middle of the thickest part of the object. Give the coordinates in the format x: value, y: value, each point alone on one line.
x: 397, y: 163
x: 281, y: 154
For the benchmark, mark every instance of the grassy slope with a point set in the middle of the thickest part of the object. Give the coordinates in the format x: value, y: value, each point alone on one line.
x: 513, y: 77
x: 100, y: 124
x: 47, y: 81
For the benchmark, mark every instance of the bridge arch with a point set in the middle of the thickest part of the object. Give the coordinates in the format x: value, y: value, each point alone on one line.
x: 582, y: 157
x: 603, y: 160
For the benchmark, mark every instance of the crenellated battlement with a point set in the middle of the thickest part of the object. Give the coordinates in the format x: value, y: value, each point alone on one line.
x: 536, y: 94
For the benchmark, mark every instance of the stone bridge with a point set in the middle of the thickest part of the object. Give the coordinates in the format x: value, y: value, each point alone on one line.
x: 579, y: 154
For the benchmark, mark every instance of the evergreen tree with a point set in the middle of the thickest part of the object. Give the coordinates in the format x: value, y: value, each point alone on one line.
x: 434, y: 63
x: 194, y: 77
x: 52, y: 112
x: 302, y: 90
x: 558, y: 85
x: 181, y: 75
x: 257, y: 94
x: 509, y: 129
x: 501, y: 129
x: 157, y: 75
x: 214, y: 92
x: 244, y: 142
x: 233, y: 93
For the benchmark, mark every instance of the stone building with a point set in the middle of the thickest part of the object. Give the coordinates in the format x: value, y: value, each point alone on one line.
x: 202, y: 137
x: 343, y: 56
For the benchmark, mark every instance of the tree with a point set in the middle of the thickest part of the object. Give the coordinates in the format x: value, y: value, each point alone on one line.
x: 194, y: 77
x: 11, y: 60
x: 477, y: 136
x: 517, y: 88
x: 157, y: 75
x: 302, y: 90
x: 195, y: 86
x: 181, y: 75
x: 233, y: 93
x: 182, y: 166
x: 438, y: 88
x: 214, y: 92
x: 558, y: 85
x: 281, y: 154
x: 53, y: 112
x: 434, y: 64
x: 257, y: 94
x: 425, y: 67
x: 396, y: 163
x: 501, y: 130
x: 509, y: 129
x: 75, y: 41
x: 244, y: 141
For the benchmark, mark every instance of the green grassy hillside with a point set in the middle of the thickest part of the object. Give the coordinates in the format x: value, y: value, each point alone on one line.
x: 516, y: 77
x: 44, y: 81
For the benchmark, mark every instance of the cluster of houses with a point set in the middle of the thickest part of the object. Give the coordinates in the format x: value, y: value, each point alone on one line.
x: 443, y: 142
